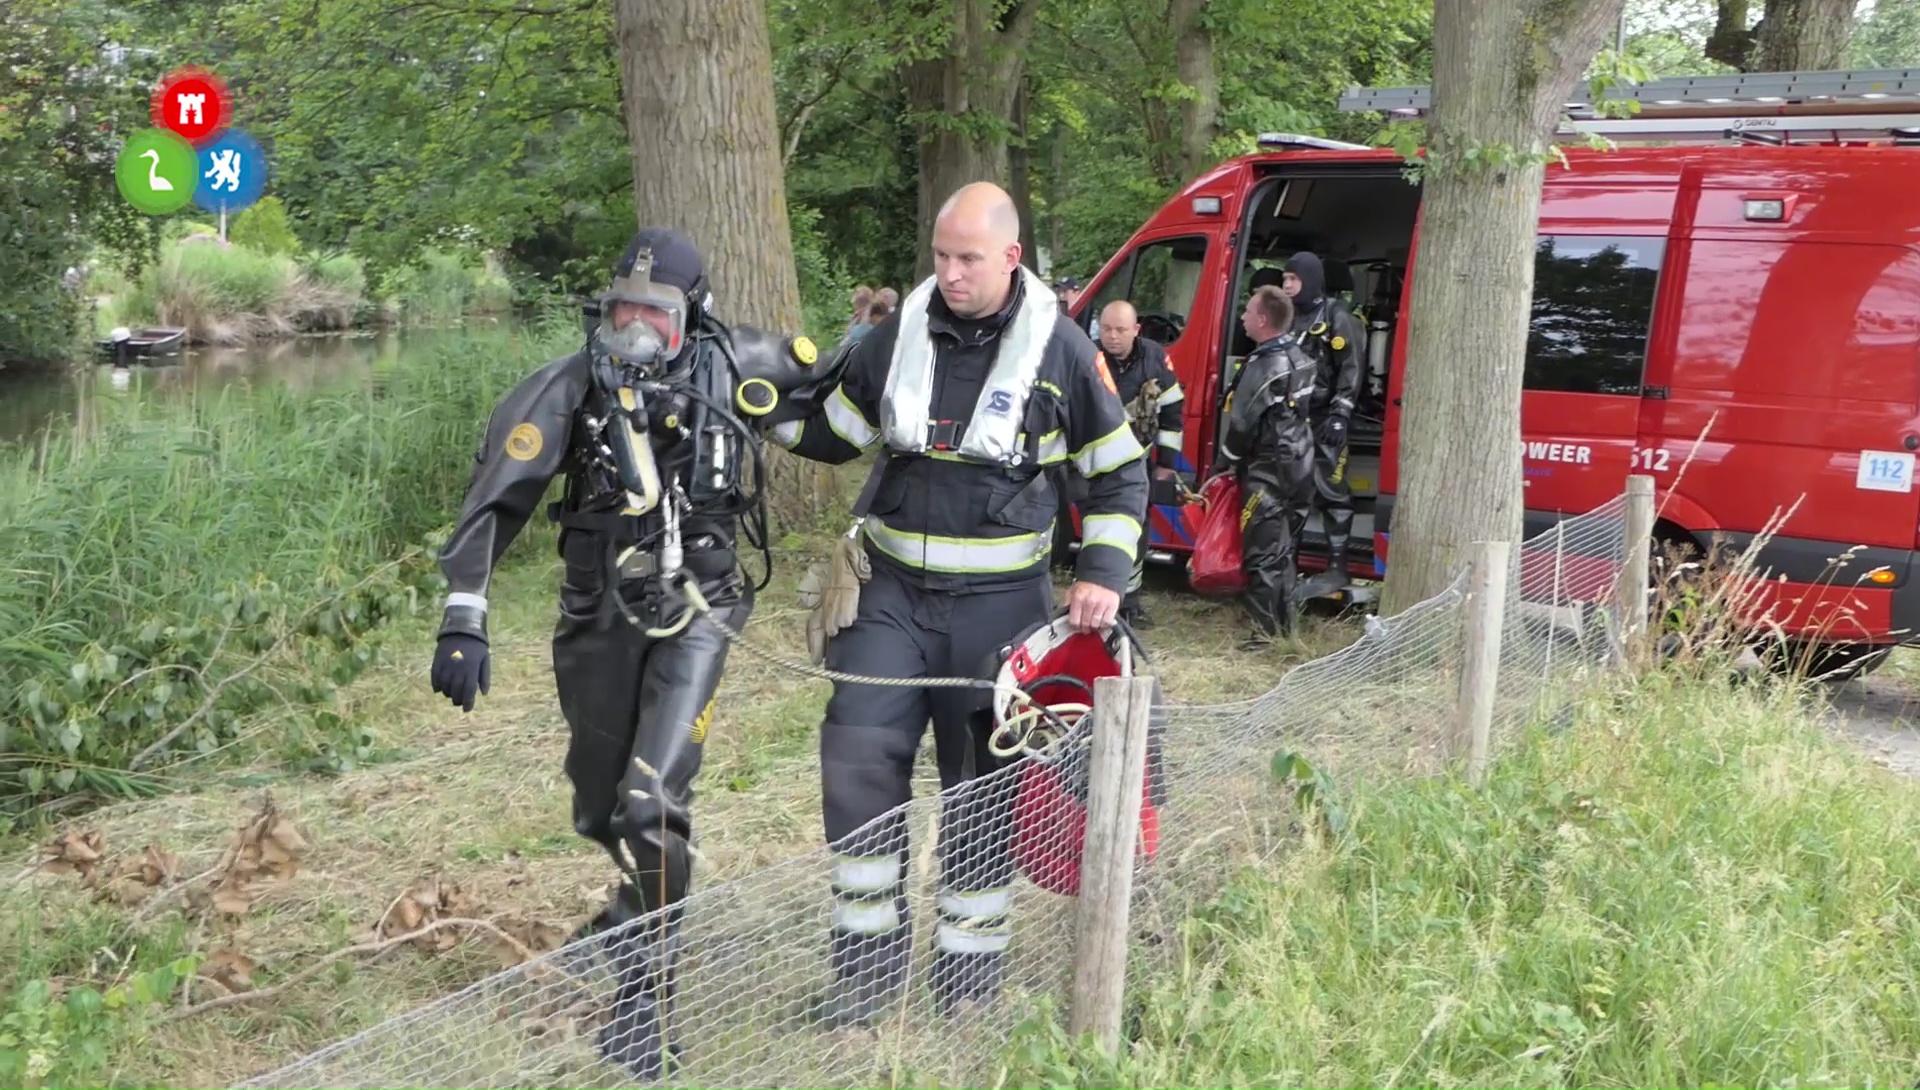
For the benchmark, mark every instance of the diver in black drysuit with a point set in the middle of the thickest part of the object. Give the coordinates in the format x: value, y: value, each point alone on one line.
x: 1331, y: 335
x: 650, y: 424
x: 1267, y: 443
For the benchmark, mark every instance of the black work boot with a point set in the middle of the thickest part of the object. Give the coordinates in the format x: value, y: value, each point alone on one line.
x: 958, y: 980
x: 603, y: 932
x: 870, y: 972
x: 633, y: 1036
x: 1337, y: 563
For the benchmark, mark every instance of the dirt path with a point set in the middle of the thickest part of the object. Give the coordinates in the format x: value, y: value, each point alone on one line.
x: 1881, y: 712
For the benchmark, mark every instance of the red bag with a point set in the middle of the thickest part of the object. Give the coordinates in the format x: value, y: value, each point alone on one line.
x: 1214, y: 567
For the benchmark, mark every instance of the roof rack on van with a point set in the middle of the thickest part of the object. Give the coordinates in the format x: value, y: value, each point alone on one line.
x: 1755, y: 107
x: 1296, y: 140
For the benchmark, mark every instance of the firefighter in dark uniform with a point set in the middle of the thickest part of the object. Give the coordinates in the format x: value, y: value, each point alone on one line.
x: 1332, y: 336
x: 971, y: 392
x: 1151, y: 392
x: 648, y: 424
x: 1268, y: 444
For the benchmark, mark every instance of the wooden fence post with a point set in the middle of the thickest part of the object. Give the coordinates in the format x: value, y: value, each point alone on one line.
x: 1480, y: 677
x: 1121, y: 708
x: 1633, y: 597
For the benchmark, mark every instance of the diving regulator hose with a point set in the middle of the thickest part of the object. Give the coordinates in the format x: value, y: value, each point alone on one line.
x: 625, y: 433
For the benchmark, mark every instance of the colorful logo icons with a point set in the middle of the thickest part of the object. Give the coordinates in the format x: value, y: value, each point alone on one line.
x: 233, y: 172
x: 157, y: 172
x: 191, y: 102
x: 192, y: 154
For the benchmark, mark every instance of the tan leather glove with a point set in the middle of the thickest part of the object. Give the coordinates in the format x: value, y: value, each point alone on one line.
x: 832, y: 594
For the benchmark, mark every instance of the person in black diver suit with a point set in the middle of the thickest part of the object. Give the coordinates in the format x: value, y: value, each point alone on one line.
x: 650, y: 424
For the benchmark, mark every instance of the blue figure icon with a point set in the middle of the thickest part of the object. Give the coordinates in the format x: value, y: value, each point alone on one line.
x: 233, y: 173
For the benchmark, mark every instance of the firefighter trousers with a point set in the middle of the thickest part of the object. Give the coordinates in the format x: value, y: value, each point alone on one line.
x: 1272, y: 518
x: 867, y: 746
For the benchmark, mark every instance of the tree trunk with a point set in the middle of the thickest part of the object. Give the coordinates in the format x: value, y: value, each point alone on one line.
x: 697, y: 83
x: 1501, y: 72
x: 973, y: 85
x: 1020, y: 179
x: 1731, y: 42
x: 1193, y: 64
x: 1804, y: 35
x: 1057, y: 196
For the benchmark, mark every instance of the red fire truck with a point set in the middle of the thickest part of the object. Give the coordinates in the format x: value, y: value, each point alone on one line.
x: 1743, y: 264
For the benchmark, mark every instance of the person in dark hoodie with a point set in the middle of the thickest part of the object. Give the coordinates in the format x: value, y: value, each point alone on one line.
x: 1331, y: 335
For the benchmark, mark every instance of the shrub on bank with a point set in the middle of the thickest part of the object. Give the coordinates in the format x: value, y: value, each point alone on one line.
x: 1691, y: 886
x: 233, y: 293
x: 184, y: 565
x: 443, y: 286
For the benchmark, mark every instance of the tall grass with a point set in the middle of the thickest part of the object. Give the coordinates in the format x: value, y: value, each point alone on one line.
x: 184, y: 564
x: 1691, y: 886
x: 442, y: 286
x: 231, y: 294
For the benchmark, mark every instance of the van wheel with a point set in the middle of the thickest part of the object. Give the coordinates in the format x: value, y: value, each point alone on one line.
x: 1820, y: 661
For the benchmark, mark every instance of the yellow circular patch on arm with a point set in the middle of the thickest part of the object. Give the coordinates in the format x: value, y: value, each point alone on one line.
x: 1338, y: 342
x: 803, y: 350
x: 524, y: 443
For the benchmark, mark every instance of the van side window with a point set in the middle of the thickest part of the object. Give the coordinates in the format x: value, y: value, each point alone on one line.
x: 1592, y: 311
x: 1160, y: 279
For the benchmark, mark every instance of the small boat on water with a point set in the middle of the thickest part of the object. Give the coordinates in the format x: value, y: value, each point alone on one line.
x: 143, y: 343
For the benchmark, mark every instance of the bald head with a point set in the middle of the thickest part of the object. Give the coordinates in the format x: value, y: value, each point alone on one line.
x: 985, y: 207
x: 1119, y: 327
x: 976, y: 247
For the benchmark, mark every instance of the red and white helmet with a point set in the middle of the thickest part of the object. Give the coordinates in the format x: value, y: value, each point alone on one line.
x: 1053, y: 664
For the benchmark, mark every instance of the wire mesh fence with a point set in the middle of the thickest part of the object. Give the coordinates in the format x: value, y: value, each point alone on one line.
x: 909, y: 960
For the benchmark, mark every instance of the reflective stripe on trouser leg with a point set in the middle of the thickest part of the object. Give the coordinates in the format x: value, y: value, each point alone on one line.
x: 973, y: 910
x: 975, y: 923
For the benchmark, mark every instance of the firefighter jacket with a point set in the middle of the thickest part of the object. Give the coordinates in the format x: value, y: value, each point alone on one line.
x: 1151, y: 392
x: 970, y: 415
x: 1331, y: 335
x: 1268, y: 434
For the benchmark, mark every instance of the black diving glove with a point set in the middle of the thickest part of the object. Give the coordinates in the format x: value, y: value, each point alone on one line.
x: 460, y: 668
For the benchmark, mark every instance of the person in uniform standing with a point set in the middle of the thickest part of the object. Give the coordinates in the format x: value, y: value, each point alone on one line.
x: 1267, y: 443
x: 970, y: 391
x: 1330, y: 333
x: 647, y: 424
x: 1155, y: 403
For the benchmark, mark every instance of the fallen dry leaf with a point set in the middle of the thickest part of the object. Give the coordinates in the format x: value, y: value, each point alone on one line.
x: 423, y: 903
x: 267, y: 850
x: 158, y: 866
x: 73, y: 852
x: 230, y: 969
x: 536, y: 936
x: 129, y: 881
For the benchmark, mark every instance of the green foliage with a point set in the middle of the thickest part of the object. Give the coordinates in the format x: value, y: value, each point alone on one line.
x: 186, y: 566
x: 263, y: 227
x: 49, y: 1040
x: 1693, y: 884
x: 56, y: 166
x: 443, y: 285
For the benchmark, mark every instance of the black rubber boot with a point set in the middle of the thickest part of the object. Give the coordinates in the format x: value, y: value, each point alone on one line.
x: 634, y: 1037
x: 960, y: 979
x: 871, y: 971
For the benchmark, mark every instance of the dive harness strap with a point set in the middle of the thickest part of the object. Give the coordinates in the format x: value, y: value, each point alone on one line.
x: 612, y: 527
